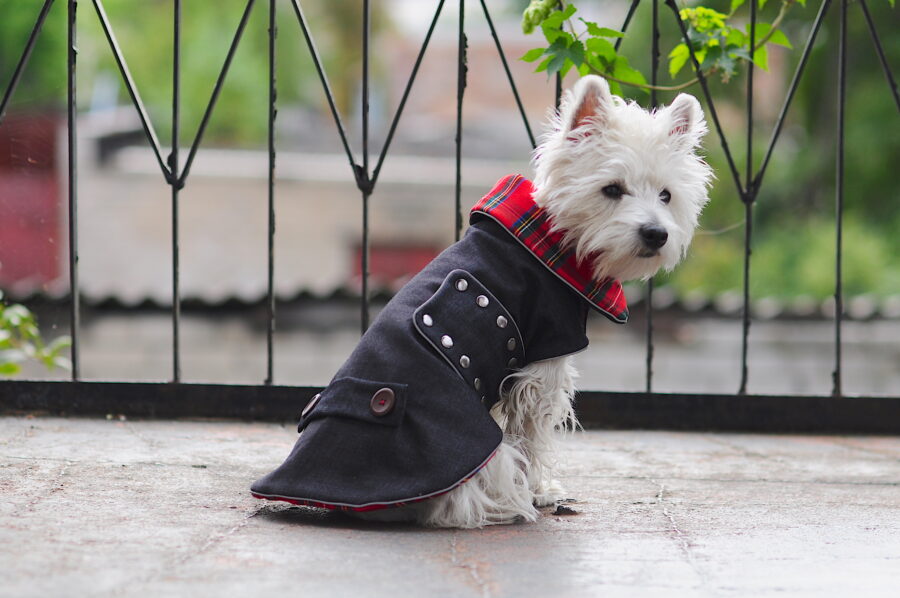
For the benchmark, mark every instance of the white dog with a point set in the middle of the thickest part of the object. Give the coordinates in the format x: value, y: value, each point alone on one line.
x: 616, y: 196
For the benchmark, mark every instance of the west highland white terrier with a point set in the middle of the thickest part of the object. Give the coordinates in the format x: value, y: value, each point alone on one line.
x: 448, y: 411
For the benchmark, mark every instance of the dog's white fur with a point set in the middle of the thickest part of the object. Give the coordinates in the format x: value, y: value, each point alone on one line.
x: 595, y: 141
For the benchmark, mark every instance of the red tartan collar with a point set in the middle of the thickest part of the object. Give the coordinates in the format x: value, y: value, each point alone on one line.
x: 510, y: 204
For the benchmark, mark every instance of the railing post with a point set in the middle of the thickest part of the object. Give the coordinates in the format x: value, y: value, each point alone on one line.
x: 71, y: 129
x: 270, y: 297
x: 175, y: 184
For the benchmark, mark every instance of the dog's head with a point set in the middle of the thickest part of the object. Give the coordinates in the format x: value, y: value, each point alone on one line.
x: 625, y: 185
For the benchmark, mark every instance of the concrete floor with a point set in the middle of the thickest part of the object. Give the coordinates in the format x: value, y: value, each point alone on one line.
x: 160, y: 508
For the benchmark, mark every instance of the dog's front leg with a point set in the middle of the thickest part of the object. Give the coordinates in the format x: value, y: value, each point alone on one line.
x: 536, y: 407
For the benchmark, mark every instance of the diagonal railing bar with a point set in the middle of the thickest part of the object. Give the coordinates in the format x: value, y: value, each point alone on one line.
x: 326, y: 87
x: 26, y: 54
x: 146, y: 123
x: 792, y: 89
x: 215, y: 93
x: 709, y: 102
x: 631, y: 9
x: 881, y: 56
x: 512, y: 83
x: 409, y: 84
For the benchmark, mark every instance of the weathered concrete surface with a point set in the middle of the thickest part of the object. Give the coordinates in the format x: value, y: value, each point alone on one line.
x: 122, y: 508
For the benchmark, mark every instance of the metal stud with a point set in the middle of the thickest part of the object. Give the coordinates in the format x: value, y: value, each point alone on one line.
x: 477, y: 383
x: 511, y: 344
x: 426, y: 319
x: 502, y: 321
x: 512, y: 363
x: 482, y: 301
x: 446, y: 341
x: 464, y: 361
x: 462, y: 284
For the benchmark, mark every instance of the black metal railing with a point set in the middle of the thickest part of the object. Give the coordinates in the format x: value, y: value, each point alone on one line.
x: 267, y: 400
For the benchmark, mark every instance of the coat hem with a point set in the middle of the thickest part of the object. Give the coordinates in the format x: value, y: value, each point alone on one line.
x: 372, y: 506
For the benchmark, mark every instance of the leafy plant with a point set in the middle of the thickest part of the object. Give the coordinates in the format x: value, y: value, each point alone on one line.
x: 20, y: 340
x: 715, y: 43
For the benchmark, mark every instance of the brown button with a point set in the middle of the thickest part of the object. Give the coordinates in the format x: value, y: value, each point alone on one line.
x: 311, y: 405
x: 382, y: 402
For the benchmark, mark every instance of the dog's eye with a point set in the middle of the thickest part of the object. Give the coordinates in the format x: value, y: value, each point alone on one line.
x: 665, y: 196
x: 613, y: 191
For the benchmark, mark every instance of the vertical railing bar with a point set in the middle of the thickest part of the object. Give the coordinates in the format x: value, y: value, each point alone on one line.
x: 71, y: 105
x: 631, y: 9
x: 26, y: 54
x: 748, y: 199
x: 461, y: 74
x: 509, y: 75
x: 326, y: 87
x: 654, y: 77
x: 409, y: 84
x: 712, y: 108
x: 362, y: 173
x: 146, y: 123
x: 270, y: 291
x: 839, y: 201
x: 801, y: 66
x: 215, y: 93
x: 173, y: 166
x: 881, y: 56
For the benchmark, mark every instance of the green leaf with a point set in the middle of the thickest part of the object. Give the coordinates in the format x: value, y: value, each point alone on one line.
x: 543, y: 65
x: 533, y: 54
x: 584, y: 69
x: 735, y: 4
x: 700, y: 55
x: 9, y: 369
x: 761, y: 58
x: 679, y: 55
x: 556, y: 64
x: 598, y: 31
x: 736, y: 38
x: 762, y: 4
x: 778, y: 37
x: 624, y: 71
x: 602, y: 48
x: 615, y: 88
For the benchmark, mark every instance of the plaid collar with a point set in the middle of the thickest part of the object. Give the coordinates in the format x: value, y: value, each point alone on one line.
x: 510, y: 204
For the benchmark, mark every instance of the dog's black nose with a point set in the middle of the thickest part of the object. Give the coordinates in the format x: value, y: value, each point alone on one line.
x: 653, y: 236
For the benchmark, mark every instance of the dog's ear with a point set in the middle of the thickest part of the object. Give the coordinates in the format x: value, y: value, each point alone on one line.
x: 686, y: 122
x: 588, y: 104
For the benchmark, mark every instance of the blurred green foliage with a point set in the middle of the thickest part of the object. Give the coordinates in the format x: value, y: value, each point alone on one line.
x: 144, y: 31
x: 21, y: 341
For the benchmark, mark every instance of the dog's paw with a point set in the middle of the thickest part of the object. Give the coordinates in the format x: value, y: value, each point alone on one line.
x: 548, y: 493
